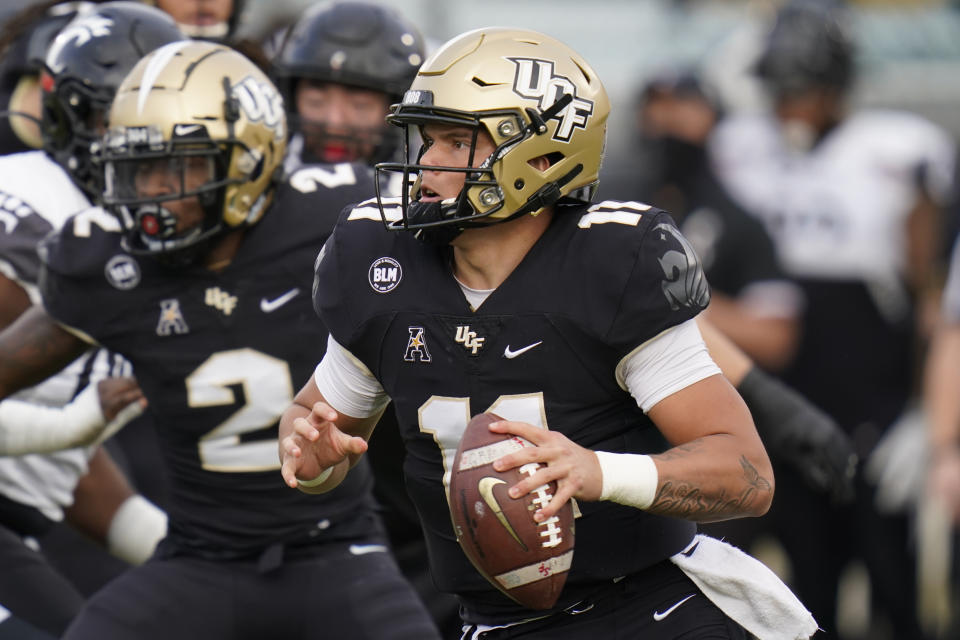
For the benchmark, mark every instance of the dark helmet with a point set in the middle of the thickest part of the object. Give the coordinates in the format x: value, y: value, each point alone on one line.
x: 83, y: 68
x: 358, y: 44
x: 807, y: 47
x: 25, y: 34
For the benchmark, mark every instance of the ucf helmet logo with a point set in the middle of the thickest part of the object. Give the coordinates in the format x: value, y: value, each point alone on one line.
x: 261, y: 101
x: 534, y: 80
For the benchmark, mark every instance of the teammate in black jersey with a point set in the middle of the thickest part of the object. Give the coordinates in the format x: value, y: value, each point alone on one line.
x: 202, y: 279
x: 339, y: 68
x: 496, y: 286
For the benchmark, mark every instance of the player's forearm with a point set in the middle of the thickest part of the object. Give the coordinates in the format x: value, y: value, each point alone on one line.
x: 29, y: 428
x: 32, y: 349
x: 717, y: 477
x: 940, y: 394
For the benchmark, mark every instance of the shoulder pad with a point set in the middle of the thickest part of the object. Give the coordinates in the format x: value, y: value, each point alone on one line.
x: 649, y: 277
x: 84, y: 245
x: 346, y: 183
x: 21, y: 231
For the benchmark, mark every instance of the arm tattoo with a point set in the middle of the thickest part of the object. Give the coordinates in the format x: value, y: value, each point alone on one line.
x: 686, y: 500
x: 32, y: 349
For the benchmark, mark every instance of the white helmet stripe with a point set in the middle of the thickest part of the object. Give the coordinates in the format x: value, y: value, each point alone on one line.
x: 161, y: 57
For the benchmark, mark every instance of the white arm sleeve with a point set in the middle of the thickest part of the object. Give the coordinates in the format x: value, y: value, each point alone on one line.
x: 30, y: 428
x: 347, y: 385
x: 665, y: 364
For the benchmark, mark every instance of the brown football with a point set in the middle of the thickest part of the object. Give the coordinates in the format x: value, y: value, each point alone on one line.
x: 526, y: 560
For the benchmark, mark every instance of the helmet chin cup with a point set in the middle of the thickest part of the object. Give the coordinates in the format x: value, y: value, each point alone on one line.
x: 432, y: 220
x: 155, y: 222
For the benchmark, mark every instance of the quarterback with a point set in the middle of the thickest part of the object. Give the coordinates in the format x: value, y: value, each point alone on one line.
x: 493, y: 284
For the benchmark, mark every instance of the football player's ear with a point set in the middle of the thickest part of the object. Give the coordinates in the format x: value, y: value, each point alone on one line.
x: 540, y: 163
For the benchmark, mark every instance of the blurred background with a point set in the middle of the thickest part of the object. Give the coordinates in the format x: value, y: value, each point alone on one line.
x: 908, y: 56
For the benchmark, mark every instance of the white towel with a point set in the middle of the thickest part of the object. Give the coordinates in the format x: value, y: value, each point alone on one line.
x: 746, y: 590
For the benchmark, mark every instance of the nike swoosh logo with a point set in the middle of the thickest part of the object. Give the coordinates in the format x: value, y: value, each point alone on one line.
x: 185, y: 129
x: 486, y: 486
x: 509, y: 355
x: 268, y: 306
x: 658, y: 616
x: 363, y: 549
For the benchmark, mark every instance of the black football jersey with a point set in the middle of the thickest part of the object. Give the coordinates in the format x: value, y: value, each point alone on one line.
x: 218, y: 355
x: 544, y: 348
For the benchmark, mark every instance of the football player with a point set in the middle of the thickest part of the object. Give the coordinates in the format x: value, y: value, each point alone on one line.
x: 470, y: 300
x: 38, y: 191
x: 215, y: 20
x: 752, y: 301
x: 202, y: 279
x: 852, y: 199
x: 24, y: 36
x: 340, y: 67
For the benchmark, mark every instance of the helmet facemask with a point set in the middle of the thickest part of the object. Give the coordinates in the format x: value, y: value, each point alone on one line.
x: 144, y: 174
x: 207, y: 128
x: 359, y: 133
x: 73, y: 115
x: 482, y: 200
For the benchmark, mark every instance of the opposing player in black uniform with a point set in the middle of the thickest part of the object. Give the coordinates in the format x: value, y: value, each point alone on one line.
x: 339, y: 68
x: 46, y: 479
x: 207, y: 255
x: 503, y: 292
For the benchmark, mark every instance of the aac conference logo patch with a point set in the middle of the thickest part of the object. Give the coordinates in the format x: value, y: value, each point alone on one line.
x: 384, y: 274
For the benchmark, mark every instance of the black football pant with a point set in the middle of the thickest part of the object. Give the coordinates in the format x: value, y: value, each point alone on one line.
x: 32, y: 589
x: 659, y: 603
x: 12, y: 628
x: 340, y: 590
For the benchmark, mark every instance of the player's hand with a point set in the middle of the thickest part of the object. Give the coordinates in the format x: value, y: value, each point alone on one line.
x: 118, y: 393
x: 315, y: 444
x: 575, y: 468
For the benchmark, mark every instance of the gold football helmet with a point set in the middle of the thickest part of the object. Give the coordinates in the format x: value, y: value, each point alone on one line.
x: 187, y: 105
x: 535, y: 97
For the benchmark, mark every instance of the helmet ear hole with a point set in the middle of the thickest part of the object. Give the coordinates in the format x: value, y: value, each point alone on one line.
x: 544, y: 162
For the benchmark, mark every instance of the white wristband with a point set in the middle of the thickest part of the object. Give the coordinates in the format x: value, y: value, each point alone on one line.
x: 136, y: 528
x: 628, y: 478
x: 315, y: 482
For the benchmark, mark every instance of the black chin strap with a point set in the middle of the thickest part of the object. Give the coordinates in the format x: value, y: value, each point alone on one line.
x: 538, y: 119
x: 547, y: 195
x: 6, y: 113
